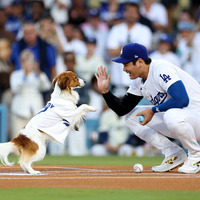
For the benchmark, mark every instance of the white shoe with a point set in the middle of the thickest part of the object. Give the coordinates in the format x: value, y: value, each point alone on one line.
x: 171, y: 162
x: 190, y: 166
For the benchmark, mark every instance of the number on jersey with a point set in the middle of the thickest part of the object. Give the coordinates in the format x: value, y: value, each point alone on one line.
x: 49, y: 105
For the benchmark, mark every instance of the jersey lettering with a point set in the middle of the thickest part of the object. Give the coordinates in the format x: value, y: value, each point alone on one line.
x: 66, y: 123
x: 159, y: 98
x: 165, y: 77
x: 49, y: 105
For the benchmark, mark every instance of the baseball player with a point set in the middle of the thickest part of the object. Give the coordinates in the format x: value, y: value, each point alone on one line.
x: 175, y: 113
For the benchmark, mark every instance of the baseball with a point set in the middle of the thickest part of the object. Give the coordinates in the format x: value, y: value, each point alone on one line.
x: 141, y: 118
x: 138, y: 168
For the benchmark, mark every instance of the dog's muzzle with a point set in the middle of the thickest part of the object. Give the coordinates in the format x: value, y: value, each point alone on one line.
x: 82, y: 82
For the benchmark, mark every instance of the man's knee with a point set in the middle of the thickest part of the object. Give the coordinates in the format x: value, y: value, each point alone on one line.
x: 131, y: 117
x: 174, y: 121
x: 131, y: 120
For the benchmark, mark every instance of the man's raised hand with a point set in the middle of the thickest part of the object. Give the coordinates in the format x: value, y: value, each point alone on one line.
x: 103, y: 80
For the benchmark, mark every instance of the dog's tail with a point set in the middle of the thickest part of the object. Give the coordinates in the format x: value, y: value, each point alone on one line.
x: 5, y: 150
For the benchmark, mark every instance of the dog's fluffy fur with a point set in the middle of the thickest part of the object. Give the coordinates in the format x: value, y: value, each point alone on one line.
x: 31, y: 142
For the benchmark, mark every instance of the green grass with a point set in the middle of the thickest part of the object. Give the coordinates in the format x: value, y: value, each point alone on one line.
x: 95, y: 194
x: 104, y: 160
x: 92, y: 160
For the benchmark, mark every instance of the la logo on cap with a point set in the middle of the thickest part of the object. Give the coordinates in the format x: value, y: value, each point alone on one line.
x: 121, y: 51
x: 136, y: 56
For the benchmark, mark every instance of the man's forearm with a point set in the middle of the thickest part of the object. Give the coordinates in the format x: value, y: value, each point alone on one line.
x: 121, y: 106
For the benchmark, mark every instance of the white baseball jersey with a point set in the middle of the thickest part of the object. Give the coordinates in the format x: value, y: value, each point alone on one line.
x: 162, y: 74
x: 54, y: 119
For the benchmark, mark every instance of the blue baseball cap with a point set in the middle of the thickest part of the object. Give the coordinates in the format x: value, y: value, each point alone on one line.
x: 184, y: 25
x: 164, y: 37
x: 90, y: 40
x: 133, y: 1
x: 130, y: 52
x: 94, y: 12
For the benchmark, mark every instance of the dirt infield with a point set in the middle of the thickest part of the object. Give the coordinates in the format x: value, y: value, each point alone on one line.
x: 115, y: 177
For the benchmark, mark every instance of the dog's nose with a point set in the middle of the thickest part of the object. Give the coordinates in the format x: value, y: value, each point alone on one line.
x: 84, y: 82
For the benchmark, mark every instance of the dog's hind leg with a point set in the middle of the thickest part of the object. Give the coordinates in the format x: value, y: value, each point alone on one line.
x: 28, y: 169
x: 26, y: 160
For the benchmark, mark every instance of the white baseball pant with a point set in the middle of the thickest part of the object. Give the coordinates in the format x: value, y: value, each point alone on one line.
x: 181, y: 124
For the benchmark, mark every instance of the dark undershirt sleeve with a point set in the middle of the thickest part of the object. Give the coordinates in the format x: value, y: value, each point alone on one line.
x: 121, y: 106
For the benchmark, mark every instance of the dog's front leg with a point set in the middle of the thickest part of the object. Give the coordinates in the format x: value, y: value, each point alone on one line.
x: 86, y: 108
x: 80, y: 113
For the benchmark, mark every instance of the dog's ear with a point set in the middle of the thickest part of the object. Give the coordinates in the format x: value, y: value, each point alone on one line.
x: 64, y: 83
x: 54, y: 81
x: 60, y: 79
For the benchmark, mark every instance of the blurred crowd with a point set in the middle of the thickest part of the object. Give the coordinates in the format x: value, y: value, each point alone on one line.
x: 42, y: 38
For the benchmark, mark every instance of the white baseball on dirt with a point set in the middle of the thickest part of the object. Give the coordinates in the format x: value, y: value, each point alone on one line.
x: 138, y: 168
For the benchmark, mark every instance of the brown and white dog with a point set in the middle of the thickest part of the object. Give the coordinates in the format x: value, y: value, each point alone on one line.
x: 51, y: 123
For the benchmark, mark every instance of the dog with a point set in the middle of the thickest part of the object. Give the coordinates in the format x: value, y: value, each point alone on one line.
x: 52, y: 123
